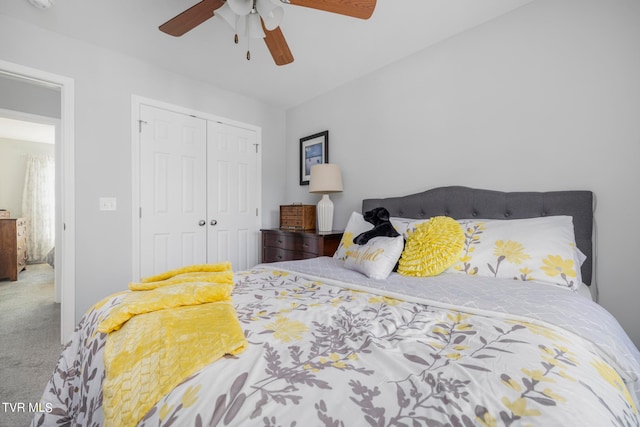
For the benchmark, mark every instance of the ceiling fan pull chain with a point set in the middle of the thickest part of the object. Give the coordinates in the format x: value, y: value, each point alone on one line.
x: 248, y: 47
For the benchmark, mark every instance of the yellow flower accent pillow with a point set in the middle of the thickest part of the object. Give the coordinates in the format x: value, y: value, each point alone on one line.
x: 432, y: 247
x: 533, y: 249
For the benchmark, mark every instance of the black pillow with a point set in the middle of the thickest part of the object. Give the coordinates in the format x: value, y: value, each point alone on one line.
x: 382, y: 226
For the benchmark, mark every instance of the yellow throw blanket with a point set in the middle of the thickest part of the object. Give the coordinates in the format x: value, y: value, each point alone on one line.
x: 180, y: 322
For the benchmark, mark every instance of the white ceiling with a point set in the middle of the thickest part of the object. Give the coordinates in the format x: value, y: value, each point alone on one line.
x: 27, y: 131
x: 329, y: 49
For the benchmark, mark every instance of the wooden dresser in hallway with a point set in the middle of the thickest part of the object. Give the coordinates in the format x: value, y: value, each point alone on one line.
x: 13, y: 247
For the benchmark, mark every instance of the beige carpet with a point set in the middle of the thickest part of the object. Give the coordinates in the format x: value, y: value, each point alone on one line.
x: 29, y: 342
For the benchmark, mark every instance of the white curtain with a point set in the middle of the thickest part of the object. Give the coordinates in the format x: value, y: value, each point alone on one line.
x: 38, y: 206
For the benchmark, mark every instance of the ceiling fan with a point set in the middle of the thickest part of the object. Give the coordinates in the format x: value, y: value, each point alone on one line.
x: 261, y: 19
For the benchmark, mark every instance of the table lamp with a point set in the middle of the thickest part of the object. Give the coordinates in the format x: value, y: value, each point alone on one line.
x: 325, y: 179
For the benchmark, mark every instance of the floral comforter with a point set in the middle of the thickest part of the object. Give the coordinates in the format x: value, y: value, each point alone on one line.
x: 405, y: 352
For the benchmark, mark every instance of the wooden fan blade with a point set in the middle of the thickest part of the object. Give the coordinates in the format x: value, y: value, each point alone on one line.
x: 277, y: 45
x: 191, y: 18
x: 362, y: 9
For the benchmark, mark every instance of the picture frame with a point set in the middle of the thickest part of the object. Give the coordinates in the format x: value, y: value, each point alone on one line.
x: 314, y: 149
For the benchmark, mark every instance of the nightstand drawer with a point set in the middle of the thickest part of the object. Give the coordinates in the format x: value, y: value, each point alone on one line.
x: 279, y: 240
x: 311, y: 244
x: 293, y: 241
x: 278, y: 254
x: 286, y: 245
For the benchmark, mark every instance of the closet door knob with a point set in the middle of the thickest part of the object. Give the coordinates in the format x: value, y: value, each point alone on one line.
x: 214, y: 222
x: 202, y: 223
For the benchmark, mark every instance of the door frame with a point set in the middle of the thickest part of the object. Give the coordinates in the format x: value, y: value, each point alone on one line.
x: 136, y: 102
x: 65, y: 191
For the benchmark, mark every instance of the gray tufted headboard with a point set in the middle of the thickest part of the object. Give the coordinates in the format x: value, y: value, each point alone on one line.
x: 465, y: 203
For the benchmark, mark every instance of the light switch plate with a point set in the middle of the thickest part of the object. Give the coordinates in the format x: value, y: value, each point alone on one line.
x: 107, y: 203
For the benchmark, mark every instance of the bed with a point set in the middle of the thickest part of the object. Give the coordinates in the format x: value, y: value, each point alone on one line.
x: 324, y: 343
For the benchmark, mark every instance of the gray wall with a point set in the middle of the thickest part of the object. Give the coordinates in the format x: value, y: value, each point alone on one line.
x: 546, y: 97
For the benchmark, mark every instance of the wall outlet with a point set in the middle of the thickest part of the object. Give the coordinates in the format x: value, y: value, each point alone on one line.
x: 107, y: 203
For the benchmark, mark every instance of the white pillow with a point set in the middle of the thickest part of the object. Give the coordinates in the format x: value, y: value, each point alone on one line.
x: 534, y: 249
x: 406, y: 226
x: 355, y: 226
x: 376, y: 258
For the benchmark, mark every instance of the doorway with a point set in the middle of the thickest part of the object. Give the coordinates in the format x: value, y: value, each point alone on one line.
x: 27, y: 178
x: 26, y: 79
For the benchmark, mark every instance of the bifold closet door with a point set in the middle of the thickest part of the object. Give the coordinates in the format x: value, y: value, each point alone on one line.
x: 173, y: 181
x: 233, y: 195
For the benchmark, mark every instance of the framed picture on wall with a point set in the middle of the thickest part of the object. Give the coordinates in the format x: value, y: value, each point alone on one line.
x: 314, y: 149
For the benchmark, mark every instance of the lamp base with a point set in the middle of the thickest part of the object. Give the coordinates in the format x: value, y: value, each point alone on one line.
x: 325, y: 214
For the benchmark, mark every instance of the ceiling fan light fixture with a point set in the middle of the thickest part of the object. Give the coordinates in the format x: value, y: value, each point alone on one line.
x: 256, y: 19
x: 41, y: 4
x: 271, y: 13
x: 254, y: 27
x: 228, y: 15
x: 241, y: 26
x: 241, y: 7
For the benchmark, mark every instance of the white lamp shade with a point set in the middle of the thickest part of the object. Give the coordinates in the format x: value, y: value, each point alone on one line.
x: 325, y: 178
x: 228, y: 15
x: 42, y: 4
x: 271, y: 13
x: 241, y: 7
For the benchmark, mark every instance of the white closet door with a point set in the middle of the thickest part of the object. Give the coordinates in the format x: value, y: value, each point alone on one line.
x: 233, y: 195
x: 172, y: 190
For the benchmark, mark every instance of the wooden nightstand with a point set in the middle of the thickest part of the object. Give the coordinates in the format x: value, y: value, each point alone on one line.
x: 287, y: 245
